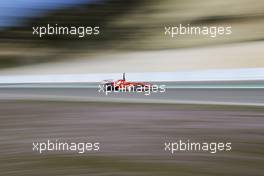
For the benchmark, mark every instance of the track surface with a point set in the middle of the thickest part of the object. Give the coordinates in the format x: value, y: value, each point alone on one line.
x: 132, y: 138
x: 200, y: 96
x: 131, y: 131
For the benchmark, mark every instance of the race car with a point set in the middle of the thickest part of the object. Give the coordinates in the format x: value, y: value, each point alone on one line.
x: 122, y: 84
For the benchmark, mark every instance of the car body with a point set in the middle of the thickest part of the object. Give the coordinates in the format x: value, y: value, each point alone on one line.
x: 122, y: 84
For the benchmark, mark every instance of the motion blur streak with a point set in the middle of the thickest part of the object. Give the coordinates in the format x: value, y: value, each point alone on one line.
x: 219, y: 96
x: 132, y: 25
x: 132, y: 130
x: 213, y: 75
x: 131, y: 138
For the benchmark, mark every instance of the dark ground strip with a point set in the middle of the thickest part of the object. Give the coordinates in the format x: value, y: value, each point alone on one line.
x: 132, y: 138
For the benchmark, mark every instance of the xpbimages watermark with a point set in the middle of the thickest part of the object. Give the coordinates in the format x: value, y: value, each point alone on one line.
x: 146, y: 89
x: 191, y: 146
x: 59, y: 146
x: 80, y: 31
x: 210, y: 31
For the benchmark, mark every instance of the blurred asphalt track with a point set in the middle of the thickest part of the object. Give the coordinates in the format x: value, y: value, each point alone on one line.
x: 220, y: 96
x: 132, y: 137
x: 131, y: 129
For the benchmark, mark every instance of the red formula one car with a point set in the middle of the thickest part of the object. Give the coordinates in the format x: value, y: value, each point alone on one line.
x: 122, y: 84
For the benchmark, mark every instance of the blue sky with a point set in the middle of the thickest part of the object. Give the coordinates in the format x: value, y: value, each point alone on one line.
x: 11, y: 11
